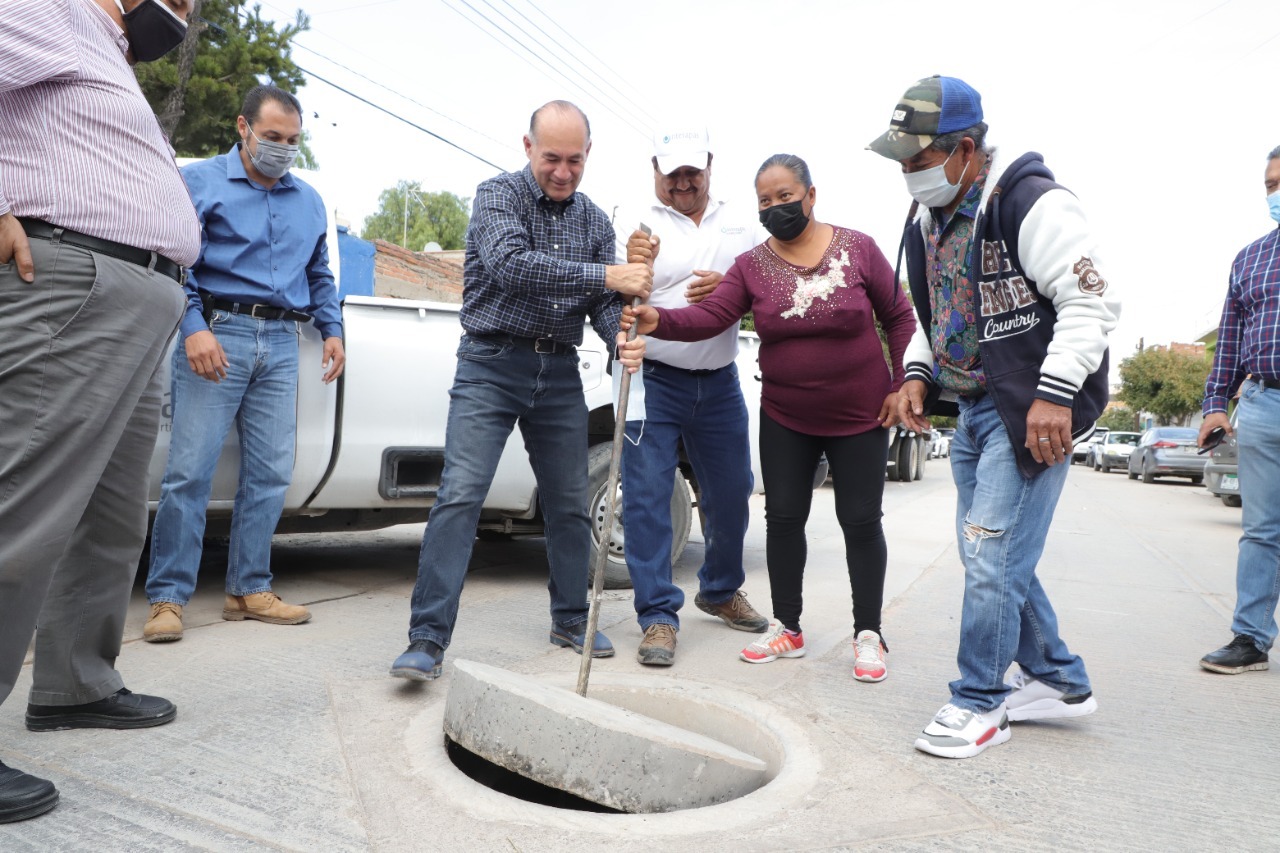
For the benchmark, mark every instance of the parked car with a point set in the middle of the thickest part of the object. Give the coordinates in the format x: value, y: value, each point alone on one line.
x: 1167, y: 452
x: 941, y: 445
x: 1080, y: 452
x: 1113, y: 451
x: 1220, y: 471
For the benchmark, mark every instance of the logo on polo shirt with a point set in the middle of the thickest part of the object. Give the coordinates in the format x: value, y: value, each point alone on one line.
x: 733, y: 229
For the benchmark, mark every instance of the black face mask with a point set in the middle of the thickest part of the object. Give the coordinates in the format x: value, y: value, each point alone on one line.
x: 153, y: 30
x: 784, y: 221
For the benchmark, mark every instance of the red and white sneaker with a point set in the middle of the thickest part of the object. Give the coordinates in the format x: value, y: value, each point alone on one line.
x: 777, y: 642
x: 871, y: 663
x: 957, y: 733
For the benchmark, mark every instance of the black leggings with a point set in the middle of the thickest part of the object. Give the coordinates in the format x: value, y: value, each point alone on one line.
x: 787, y: 461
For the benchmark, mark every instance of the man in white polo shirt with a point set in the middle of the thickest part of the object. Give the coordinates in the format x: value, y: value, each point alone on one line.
x: 690, y: 392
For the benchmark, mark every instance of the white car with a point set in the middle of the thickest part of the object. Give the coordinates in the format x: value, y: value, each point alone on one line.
x: 1113, y: 451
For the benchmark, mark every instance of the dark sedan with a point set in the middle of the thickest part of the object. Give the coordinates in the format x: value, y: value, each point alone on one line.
x: 1167, y: 452
x: 1220, y: 471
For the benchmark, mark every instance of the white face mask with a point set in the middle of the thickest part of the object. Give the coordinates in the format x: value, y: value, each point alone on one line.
x: 930, y: 186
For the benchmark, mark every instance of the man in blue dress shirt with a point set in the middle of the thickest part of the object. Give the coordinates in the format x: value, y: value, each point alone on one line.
x: 540, y: 260
x: 263, y: 272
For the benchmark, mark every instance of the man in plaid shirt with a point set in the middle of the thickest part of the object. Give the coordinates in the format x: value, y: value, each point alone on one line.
x: 540, y: 260
x: 1248, y: 357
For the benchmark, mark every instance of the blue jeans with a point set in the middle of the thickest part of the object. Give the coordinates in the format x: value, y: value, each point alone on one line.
x: 1002, y: 519
x: 259, y: 395
x: 1258, y: 563
x: 708, y: 412
x: 498, y: 384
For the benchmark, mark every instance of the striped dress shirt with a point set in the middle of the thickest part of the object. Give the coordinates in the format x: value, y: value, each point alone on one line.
x: 1249, y: 333
x: 80, y: 147
x: 534, y: 267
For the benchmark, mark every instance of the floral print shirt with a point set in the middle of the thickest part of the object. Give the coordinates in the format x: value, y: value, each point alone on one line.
x: 953, y: 297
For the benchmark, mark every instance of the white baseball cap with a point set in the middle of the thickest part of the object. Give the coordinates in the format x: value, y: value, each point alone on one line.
x: 678, y: 147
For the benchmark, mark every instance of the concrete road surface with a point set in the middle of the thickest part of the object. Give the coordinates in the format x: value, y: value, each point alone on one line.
x: 294, y: 738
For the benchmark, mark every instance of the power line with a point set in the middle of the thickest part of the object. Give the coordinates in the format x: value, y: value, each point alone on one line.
x: 400, y: 118
x: 566, y: 54
x: 398, y: 94
x: 535, y: 54
x: 569, y: 52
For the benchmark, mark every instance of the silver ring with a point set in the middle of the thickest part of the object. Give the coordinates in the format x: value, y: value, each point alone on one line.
x: 1045, y: 440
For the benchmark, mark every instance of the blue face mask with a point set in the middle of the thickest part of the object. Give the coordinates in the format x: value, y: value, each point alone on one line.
x: 1273, y: 201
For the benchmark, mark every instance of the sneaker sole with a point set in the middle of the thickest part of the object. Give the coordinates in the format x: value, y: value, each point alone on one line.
x: 565, y: 642
x: 417, y: 674
x: 240, y: 616
x: 162, y: 638
x: 873, y: 679
x: 95, y: 721
x: 1052, y: 709
x: 968, y: 750
x: 30, y: 810
x: 796, y: 653
x: 1235, y: 670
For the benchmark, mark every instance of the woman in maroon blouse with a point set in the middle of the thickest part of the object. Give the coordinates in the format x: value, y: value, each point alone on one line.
x: 816, y: 291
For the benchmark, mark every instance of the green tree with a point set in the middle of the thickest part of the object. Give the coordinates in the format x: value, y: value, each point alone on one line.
x: 197, y: 90
x: 1119, y: 419
x: 410, y: 217
x: 1167, y: 384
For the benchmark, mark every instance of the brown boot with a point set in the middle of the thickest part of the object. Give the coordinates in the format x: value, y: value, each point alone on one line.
x: 658, y: 648
x: 164, y: 625
x: 265, y: 607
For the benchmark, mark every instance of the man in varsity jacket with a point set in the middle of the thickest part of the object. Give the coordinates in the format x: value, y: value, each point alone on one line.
x: 1014, y: 314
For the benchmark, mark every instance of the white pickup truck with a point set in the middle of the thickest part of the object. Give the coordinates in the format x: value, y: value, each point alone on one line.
x: 370, y: 447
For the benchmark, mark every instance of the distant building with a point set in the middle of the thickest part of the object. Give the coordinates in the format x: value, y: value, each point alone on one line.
x: 385, y: 269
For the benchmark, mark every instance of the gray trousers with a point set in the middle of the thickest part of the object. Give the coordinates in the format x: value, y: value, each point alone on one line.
x: 79, y: 413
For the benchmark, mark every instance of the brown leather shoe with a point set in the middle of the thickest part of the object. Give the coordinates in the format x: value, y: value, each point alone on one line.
x: 164, y: 625
x: 265, y: 607
x: 658, y: 648
x: 737, y: 612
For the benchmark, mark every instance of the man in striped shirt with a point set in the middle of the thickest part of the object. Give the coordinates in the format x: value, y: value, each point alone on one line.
x: 1247, y: 357
x: 96, y: 229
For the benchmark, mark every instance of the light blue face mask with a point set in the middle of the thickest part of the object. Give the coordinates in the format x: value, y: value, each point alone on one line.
x: 1273, y: 201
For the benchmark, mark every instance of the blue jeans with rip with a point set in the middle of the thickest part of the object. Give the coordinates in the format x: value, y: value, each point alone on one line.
x: 1258, y: 560
x: 708, y: 412
x: 259, y: 396
x: 497, y: 385
x: 1002, y: 520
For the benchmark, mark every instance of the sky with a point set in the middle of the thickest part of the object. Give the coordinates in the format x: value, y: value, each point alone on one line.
x: 1157, y: 115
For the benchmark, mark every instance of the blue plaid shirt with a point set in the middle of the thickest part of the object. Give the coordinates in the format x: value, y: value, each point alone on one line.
x: 1249, y: 334
x: 535, y: 267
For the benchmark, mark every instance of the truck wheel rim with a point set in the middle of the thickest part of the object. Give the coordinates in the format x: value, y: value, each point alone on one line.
x: 617, y: 538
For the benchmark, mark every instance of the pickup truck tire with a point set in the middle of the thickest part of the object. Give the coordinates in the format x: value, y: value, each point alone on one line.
x: 1231, y: 500
x: 616, y: 575
x: 907, y: 450
x: 922, y: 454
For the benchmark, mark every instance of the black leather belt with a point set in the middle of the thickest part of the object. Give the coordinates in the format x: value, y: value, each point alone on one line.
x: 257, y: 312
x: 1268, y: 384
x: 42, y: 230
x: 691, y: 371
x: 542, y: 346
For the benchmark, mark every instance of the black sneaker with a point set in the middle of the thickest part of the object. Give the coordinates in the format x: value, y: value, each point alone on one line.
x: 123, y: 709
x: 1239, y: 655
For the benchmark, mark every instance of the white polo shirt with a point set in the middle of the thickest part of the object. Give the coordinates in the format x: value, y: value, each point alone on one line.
x: 727, y: 230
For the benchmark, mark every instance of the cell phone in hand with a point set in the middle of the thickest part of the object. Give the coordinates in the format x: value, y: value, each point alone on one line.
x: 1215, y: 437
x: 648, y: 232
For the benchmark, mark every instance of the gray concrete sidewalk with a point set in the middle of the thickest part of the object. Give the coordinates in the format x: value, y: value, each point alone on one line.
x: 294, y: 738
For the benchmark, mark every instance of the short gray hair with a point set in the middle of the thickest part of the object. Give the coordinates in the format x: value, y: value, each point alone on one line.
x: 1275, y: 152
x: 561, y: 107
x: 947, y: 142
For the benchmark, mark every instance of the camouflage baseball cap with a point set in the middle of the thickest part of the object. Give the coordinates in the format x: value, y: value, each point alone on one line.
x: 931, y: 107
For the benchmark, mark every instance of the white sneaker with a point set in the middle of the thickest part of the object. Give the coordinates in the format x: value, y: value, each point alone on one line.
x: 1032, y: 699
x: 871, y: 661
x: 957, y: 733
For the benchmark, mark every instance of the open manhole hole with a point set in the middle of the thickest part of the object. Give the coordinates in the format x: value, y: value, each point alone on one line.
x: 622, y: 750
